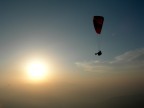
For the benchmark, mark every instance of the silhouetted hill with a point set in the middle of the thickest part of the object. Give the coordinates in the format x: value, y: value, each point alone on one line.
x: 130, y: 101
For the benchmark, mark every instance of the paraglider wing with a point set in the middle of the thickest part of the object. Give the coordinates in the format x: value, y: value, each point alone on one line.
x: 98, y: 23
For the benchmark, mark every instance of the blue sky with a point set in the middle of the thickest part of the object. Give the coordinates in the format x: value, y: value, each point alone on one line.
x: 62, y: 32
x: 68, y: 26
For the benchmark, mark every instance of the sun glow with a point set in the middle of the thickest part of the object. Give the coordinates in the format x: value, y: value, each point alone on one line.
x: 37, y: 70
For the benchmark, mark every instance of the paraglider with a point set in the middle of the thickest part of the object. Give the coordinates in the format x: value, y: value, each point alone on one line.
x: 98, y: 23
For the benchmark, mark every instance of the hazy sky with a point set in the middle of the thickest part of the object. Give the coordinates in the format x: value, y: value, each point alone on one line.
x: 61, y: 32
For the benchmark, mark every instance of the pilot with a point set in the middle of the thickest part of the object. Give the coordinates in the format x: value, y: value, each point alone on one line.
x: 98, y: 53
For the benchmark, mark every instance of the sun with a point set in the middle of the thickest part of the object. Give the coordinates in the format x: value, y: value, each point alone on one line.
x: 37, y: 70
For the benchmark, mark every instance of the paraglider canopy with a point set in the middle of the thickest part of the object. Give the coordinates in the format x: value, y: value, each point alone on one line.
x: 98, y: 23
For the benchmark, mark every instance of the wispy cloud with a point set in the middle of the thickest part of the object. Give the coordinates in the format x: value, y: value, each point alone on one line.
x: 131, y: 56
x: 94, y: 66
x: 131, y: 61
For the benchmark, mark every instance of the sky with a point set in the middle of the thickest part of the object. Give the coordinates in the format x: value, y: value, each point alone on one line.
x: 61, y: 33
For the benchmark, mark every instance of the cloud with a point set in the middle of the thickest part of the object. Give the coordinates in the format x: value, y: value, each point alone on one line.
x: 131, y: 61
x: 131, y: 56
x: 94, y: 66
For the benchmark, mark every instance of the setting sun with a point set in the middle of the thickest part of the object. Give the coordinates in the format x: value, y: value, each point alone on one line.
x: 37, y: 70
